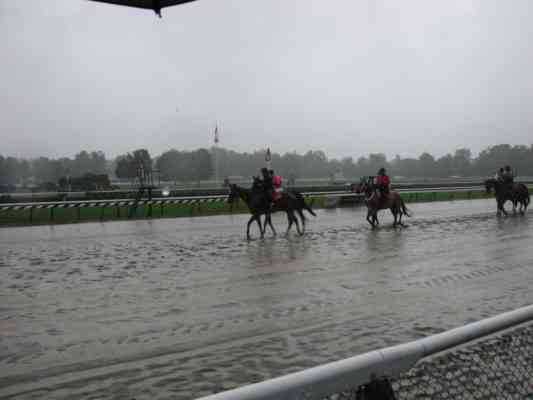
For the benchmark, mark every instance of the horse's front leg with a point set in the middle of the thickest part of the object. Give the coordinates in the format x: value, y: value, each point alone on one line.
x: 371, y: 218
x: 289, y: 217
x: 297, y: 224
x: 252, y: 218
x: 295, y: 220
x: 261, y: 229
x: 302, y: 218
x: 503, y: 208
x: 400, y: 219
x: 395, y: 215
x: 500, y: 208
x: 268, y: 220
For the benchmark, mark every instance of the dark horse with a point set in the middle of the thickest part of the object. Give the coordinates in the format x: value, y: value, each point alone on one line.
x: 259, y: 204
x: 515, y: 192
x: 374, y: 203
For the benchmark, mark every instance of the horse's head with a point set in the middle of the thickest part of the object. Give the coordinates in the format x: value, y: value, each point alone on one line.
x: 257, y: 184
x: 359, y: 187
x: 490, y: 184
x: 364, y: 186
x: 233, y: 193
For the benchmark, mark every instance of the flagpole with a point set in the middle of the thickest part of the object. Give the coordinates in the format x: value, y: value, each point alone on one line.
x: 216, y: 155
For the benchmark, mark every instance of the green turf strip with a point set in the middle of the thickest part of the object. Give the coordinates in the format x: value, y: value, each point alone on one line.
x: 74, y: 215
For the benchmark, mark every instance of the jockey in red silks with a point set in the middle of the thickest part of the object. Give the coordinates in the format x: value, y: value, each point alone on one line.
x: 382, y: 183
x: 277, y: 183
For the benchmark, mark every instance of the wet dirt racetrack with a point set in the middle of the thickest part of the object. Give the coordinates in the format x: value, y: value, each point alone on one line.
x: 185, y: 307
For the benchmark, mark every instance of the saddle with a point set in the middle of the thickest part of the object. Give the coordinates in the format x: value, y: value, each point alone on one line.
x: 381, y: 197
x: 276, y: 196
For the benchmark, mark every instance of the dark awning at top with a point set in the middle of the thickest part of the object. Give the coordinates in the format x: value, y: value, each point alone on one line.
x: 155, y: 5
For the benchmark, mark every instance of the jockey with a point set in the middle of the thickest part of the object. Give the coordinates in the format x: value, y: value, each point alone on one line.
x: 382, y: 183
x: 507, y: 175
x: 267, y: 184
x: 272, y: 184
x: 508, y: 179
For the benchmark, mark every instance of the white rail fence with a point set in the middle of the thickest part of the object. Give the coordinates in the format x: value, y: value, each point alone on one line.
x: 194, y: 199
x: 343, y: 379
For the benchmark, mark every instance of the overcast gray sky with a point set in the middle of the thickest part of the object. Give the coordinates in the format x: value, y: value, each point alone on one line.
x: 345, y: 76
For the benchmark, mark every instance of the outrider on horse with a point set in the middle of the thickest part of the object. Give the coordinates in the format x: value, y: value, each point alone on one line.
x: 506, y: 189
x: 378, y: 196
x: 263, y: 199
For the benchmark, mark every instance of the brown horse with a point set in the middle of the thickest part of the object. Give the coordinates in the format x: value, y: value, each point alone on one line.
x: 374, y: 203
x: 289, y: 202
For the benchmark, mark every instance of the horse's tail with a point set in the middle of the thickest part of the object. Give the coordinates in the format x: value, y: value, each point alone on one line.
x: 303, y: 204
x: 309, y: 209
x: 306, y: 206
x: 404, y: 208
x: 522, y: 194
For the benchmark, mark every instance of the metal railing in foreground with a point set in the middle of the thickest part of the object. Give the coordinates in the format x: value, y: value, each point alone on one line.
x: 498, y: 367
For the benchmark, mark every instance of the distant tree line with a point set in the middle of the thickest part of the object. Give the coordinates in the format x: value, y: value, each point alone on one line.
x: 127, y: 166
x: 315, y: 164
x: 190, y: 166
x: 87, y: 181
x: 42, y: 170
x: 185, y: 166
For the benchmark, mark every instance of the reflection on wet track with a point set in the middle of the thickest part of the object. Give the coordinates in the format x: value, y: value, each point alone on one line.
x: 184, y: 307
